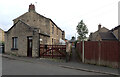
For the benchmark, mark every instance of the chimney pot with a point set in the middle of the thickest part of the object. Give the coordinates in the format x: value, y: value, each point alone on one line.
x: 99, y: 27
x: 31, y: 7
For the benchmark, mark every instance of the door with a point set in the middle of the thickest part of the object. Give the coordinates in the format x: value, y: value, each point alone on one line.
x: 29, y: 47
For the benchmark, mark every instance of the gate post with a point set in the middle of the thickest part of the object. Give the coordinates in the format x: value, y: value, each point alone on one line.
x: 99, y: 52
x: 83, y: 58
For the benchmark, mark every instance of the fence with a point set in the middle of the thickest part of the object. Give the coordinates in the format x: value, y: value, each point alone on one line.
x: 52, y: 50
x: 100, y: 52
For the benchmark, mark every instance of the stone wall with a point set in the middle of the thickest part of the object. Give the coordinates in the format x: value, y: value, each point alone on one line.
x: 56, y: 34
x: 35, y: 20
x: 115, y: 32
x: 44, y: 24
x: 1, y: 35
x: 95, y: 36
x: 21, y: 31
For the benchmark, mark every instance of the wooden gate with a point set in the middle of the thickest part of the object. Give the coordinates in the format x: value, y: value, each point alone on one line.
x: 52, y: 50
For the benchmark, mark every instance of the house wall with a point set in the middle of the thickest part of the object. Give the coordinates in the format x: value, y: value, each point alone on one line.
x: 63, y: 35
x: 45, y: 39
x: 115, y: 32
x: 44, y: 24
x: 98, y: 38
x: 35, y: 20
x: 55, y: 35
x: 95, y: 36
x: 1, y: 35
x: 119, y: 33
x: 21, y: 31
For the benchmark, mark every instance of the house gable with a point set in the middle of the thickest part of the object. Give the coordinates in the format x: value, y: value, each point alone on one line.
x: 95, y: 36
x: 19, y: 24
x: 34, y: 19
x: 116, y: 31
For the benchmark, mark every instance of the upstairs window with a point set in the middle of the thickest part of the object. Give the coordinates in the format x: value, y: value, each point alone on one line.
x: 52, y: 29
x: 57, y: 31
x: 14, y: 42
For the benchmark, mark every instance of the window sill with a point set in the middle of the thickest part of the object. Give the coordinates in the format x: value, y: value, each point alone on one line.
x: 14, y: 48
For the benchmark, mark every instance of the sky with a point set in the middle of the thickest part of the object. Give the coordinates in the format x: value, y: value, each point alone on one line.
x: 65, y: 13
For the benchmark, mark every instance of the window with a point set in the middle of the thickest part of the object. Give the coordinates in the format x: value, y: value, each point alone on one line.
x: 57, y: 31
x: 52, y: 41
x: 52, y: 29
x: 14, y: 42
x: 27, y: 20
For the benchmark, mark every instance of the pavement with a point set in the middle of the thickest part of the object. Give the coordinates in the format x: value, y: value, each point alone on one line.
x: 69, y: 65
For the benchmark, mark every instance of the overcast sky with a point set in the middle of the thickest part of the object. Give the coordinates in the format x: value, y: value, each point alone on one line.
x: 65, y: 13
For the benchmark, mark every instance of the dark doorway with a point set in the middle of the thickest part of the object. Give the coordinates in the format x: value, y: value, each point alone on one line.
x: 29, y: 47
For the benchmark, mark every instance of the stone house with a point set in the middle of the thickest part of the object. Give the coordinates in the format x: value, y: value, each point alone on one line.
x: 29, y: 31
x: 1, y: 35
x: 102, y: 34
x: 116, y: 32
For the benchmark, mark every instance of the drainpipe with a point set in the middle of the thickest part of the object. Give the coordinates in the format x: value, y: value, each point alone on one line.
x: 119, y: 33
x: 39, y: 45
x: 83, y: 51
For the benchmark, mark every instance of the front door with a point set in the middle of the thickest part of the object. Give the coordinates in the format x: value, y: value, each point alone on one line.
x: 29, y: 47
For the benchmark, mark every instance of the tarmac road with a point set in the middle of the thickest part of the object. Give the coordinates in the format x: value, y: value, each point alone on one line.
x: 17, y: 67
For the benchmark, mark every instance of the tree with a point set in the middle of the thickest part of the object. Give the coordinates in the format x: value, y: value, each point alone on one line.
x: 73, y: 38
x: 82, y: 30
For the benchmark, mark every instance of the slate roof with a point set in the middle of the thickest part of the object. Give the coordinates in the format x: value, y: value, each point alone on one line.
x: 30, y: 27
x: 107, y: 36
x: 115, y: 28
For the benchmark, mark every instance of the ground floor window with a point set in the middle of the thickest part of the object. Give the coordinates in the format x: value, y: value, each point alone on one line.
x: 14, y: 42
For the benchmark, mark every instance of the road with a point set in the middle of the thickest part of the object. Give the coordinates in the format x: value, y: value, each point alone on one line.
x: 17, y: 67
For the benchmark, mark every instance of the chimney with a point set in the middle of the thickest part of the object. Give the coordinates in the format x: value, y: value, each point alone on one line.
x: 31, y: 8
x: 99, y: 27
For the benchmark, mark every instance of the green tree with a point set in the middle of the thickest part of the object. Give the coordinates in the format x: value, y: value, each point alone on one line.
x: 73, y: 38
x: 82, y: 30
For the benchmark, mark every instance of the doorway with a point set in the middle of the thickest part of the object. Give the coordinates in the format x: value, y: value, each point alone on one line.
x: 29, y: 46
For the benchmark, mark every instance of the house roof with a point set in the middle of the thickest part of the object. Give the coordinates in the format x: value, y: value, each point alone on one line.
x: 30, y: 27
x: 107, y: 36
x: 16, y: 23
x: 115, y: 28
x: 1, y: 29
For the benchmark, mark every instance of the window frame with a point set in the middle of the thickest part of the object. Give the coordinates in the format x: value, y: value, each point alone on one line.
x: 14, y: 43
x: 52, y: 29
